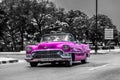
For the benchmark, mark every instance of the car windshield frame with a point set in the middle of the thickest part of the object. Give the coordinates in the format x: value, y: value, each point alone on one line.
x: 57, y: 37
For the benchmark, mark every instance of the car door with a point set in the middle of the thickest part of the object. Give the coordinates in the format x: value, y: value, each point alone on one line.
x: 80, y: 52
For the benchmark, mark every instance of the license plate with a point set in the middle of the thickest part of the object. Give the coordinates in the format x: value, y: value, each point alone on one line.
x: 50, y: 59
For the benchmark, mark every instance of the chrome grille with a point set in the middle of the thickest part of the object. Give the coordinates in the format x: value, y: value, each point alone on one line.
x: 46, y: 54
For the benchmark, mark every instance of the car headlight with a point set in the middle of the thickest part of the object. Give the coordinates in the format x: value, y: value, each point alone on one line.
x: 66, y: 47
x: 28, y: 49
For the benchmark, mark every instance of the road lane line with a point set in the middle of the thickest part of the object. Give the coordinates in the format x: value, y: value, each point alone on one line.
x: 94, y: 68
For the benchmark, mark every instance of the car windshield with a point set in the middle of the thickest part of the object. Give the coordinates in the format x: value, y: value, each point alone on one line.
x: 57, y: 37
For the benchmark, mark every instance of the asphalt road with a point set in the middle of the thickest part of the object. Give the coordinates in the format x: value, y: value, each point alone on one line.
x: 99, y: 67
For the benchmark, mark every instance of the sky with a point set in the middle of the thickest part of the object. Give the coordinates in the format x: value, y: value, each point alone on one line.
x: 111, y: 8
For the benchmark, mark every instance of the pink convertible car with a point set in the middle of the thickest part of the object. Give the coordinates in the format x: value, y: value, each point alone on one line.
x: 57, y: 48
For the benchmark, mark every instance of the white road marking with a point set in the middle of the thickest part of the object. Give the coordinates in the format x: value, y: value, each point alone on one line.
x: 94, y: 68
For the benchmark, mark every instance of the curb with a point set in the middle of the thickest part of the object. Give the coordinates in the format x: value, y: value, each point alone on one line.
x: 12, y: 53
x: 8, y: 61
x: 98, y: 53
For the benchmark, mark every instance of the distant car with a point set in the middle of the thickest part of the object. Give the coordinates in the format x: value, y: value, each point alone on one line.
x: 57, y: 48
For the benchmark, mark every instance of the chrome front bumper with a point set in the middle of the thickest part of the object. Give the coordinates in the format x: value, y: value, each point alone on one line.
x: 48, y: 60
x: 48, y: 56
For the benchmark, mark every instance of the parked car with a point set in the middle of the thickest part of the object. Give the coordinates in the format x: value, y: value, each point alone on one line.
x: 57, y: 48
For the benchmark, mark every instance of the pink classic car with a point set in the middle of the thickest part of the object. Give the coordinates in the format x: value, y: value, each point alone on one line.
x: 57, y: 48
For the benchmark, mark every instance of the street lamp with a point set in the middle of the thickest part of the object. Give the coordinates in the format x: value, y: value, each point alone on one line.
x: 96, y: 46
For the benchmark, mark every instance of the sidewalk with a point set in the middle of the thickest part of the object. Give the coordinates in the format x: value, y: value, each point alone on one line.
x: 106, y: 51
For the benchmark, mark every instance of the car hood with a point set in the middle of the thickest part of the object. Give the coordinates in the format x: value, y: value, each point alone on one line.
x: 53, y: 45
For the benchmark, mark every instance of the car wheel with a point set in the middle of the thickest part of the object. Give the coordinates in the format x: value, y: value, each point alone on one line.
x: 84, y: 61
x: 69, y: 63
x: 60, y: 63
x: 33, y: 64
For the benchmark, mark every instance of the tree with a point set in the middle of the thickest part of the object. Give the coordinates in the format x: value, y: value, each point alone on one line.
x: 24, y: 21
x: 2, y: 21
x: 3, y: 24
x: 17, y: 12
x: 103, y: 22
x: 42, y: 13
x: 78, y: 23
x: 25, y: 15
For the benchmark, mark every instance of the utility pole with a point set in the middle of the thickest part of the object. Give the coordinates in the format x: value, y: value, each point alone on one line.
x: 96, y: 45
